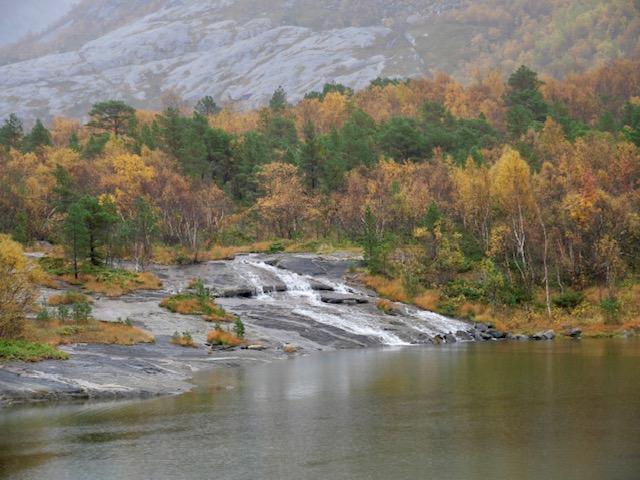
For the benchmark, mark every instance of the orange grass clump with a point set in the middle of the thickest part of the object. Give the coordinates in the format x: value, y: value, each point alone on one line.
x: 220, y: 337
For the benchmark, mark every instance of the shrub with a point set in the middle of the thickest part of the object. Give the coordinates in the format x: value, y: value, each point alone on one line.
x: 62, y: 312
x: 464, y: 288
x: 611, y: 308
x: 569, y: 299
x: 43, y: 315
x: 81, y: 312
x: 276, y: 247
x: 448, y: 309
x: 20, y: 350
x: 238, y: 328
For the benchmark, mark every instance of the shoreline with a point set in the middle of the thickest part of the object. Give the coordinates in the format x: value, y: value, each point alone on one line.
x: 104, y: 372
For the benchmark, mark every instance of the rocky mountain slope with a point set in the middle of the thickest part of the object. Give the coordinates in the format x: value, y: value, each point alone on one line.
x: 240, y: 50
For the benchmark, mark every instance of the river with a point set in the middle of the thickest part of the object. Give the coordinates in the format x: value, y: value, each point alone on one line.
x: 495, y: 410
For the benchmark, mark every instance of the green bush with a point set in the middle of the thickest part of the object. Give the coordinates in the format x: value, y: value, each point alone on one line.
x: 276, y: 247
x: 29, y: 351
x: 463, y: 288
x: 611, y: 308
x: 238, y: 328
x: 568, y: 300
x: 62, y: 313
x: 81, y: 311
x: 448, y: 309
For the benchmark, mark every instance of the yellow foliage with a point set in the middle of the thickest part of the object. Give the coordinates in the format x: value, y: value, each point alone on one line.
x: 18, y: 278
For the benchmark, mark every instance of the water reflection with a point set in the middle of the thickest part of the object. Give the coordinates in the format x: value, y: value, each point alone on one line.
x: 500, y: 411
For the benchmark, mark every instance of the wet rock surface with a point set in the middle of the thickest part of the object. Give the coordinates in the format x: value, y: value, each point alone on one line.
x: 290, y: 304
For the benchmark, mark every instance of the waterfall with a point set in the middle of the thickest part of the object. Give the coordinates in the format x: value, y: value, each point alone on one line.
x: 408, y: 325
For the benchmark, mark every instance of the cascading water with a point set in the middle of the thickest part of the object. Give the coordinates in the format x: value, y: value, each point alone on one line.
x: 410, y: 325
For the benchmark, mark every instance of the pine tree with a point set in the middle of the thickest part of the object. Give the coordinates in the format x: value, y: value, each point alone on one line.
x: 11, y: 132
x: 113, y: 116
x: 311, y: 157
x: 37, y: 138
x: 278, y: 100
x: 207, y: 106
x: 76, y: 235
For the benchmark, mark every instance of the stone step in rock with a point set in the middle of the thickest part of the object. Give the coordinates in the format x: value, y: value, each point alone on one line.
x: 342, y: 299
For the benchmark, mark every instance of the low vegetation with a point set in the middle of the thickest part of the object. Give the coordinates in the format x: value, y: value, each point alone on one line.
x: 72, y: 322
x: 22, y: 350
x: 197, y: 300
x: 109, y: 281
x: 67, y: 298
x: 183, y: 339
x: 222, y: 337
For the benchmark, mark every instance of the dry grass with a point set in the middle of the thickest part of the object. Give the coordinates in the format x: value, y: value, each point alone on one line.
x: 49, y: 281
x: 220, y: 252
x: 141, y: 281
x: 388, y: 288
x: 67, y: 298
x: 527, y: 318
x: 385, y: 306
x: 220, y: 337
x: 427, y: 300
x: 183, y: 340
x: 109, y: 333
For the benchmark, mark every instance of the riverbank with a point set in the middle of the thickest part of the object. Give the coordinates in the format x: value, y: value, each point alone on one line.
x: 584, y: 311
x: 290, y: 304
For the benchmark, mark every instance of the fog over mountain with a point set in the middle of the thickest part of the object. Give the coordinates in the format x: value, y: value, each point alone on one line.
x: 240, y: 50
x: 19, y: 18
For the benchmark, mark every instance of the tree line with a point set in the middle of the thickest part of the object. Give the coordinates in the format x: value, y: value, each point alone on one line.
x: 518, y: 185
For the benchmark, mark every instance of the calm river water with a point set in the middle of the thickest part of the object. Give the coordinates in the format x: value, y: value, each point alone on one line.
x: 557, y: 410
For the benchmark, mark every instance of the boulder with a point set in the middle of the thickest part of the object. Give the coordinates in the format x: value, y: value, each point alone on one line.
x: 465, y: 336
x: 497, y: 334
x: 574, y: 333
x: 545, y: 335
x: 481, y: 327
x: 517, y: 337
x: 256, y: 347
x: 319, y: 286
x: 450, y: 338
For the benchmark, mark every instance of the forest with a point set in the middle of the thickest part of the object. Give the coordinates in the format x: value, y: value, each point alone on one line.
x: 514, y: 198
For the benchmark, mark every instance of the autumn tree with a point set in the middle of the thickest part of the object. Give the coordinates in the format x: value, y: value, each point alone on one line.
x: 511, y: 190
x: 140, y: 229
x: 18, y: 289
x: 285, y: 207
